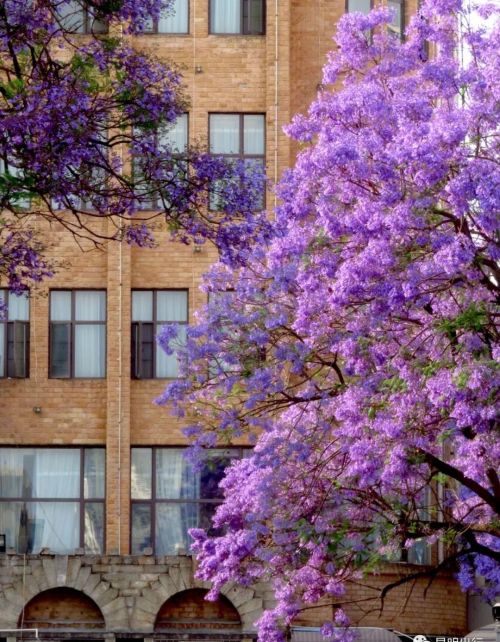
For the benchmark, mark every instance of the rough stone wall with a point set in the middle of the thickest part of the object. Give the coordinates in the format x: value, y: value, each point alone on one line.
x: 129, y: 591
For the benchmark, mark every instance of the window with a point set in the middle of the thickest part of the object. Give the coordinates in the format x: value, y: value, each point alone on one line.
x: 174, y: 21
x: 173, y: 136
x: 14, y: 335
x: 237, y: 17
x: 397, y: 25
x: 363, y: 6
x: 76, y: 17
x: 52, y: 498
x: 77, y: 334
x: 14, y: 186
x: 169, y: 497
x: 238, y: 136
x: 152, y: 309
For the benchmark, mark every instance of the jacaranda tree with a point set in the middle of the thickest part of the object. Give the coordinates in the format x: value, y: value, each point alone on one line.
x: 74, y: 110
x: 357, y: 349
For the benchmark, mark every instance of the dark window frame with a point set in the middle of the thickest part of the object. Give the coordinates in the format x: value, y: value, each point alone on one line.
x: 153, y: 500
x: 81, y: 500
x: 21, y: 371
x: 136, y: 331
x: 154, y: 30
x: 244, y: 18
x: 240, y: 155
x: 73, y: 323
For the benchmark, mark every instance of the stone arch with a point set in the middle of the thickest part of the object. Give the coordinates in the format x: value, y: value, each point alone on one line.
x: 61, y: 608
x: 188, y: 610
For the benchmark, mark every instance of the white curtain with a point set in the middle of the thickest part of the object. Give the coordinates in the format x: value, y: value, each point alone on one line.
x: 363, y: 6
x: 167, y: 365
x: 176, y: 479
x: 94, y: 527
x: 224, y: 133
x: 171, y: 305
x: 141, y: 473
x: 19, y: 309
x: 60, y: 305
x: 90, y: 350
x: 226, y: 16
x: 40, y: 473
x: 175, y: 135
x: 142, y: 305
x: 90, y: 305
x: 176, y: 19
x: 54, y: 525
x: 93, y: 475
x: 57, y: 473
x: 253, y: 134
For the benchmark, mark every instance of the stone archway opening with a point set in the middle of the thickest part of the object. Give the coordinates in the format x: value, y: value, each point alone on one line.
x: 63, y: 609
x: 189, y: 610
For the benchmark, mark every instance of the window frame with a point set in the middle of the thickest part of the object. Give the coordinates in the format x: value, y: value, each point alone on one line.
x: 81, y: 500
x: 154, y: 31
x: 153, y: 500
x: 241, y: 137
x: 243, y: 23
x: 155, y: 323
x: 4, y: 374
x: 73, y: 322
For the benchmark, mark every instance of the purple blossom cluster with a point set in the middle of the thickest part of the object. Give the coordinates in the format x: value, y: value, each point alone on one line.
x: 73, y: 108
x: 358, y: 347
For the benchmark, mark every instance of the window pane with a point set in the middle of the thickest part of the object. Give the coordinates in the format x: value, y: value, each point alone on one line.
x: 363, y: 6
x: 59, y: 350
x: 175, y: 135
x: 19, y: 309
x: 212, y: 473
x: 142, y: 305
x: 172, y: 524
x: 141, y: 527
x: 176, y: 19
x: 255, y: 16
x: 205, y: 517
x: 53, y: 525
x: 167, y: 365
x: 31, y: 526
x: 171, y: 305
x: 60, y: 305
x: 17, y: 349
x: 90, y: 306
x: 396, y: 25
x: 94, y: 466
x: 258, y: 165
x: 11, y: 471
x: 419, y: 553
x: 225, y: 16
x: 175, y: 476
x: 141, y: 473
x: 94, y: 527
x: 90, y: 350
x: 71, y: 16
x: 224, y: 134
x: 143, y: 342
x: 253, y: 128
x: 56, y: 473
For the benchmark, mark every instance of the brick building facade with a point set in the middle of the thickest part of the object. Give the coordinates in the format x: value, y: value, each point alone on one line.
x: 92, y: 563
